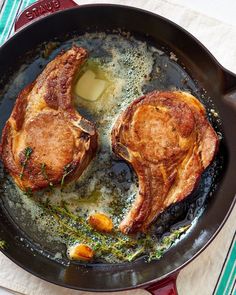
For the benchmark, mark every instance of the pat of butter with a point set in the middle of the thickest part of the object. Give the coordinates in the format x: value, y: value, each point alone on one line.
x: 90, y: 88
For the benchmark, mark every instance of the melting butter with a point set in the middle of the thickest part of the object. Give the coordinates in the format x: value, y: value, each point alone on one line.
x: 89, y: 86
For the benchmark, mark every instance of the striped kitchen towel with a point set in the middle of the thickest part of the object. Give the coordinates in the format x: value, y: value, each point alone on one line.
x: 226, y: 283
x: 9, y: 11
x: 223, y: 249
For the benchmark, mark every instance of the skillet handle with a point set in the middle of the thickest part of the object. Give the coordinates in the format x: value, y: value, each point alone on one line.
x: 166, y: 286
x: 41, y: 8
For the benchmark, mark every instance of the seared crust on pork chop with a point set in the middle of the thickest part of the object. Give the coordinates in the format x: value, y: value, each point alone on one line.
x: 46, y: 141
x: 168, y: 140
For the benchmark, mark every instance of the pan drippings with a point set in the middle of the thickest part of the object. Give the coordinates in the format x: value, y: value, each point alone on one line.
x: 131, y: 68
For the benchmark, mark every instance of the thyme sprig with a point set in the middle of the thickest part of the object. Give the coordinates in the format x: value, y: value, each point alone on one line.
x: 45, y: 175
x: 27, y: 153
x: 2, y: 244
x: 66, y: 171
x: 124, y: 248
x: 43, y: 171
x: 166, y: 242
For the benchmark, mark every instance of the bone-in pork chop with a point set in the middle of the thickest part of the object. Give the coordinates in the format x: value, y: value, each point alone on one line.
x: 168, y: 140
x: 46, y: 141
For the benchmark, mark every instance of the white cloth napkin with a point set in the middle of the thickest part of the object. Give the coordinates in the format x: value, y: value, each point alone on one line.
x: 200, y: 276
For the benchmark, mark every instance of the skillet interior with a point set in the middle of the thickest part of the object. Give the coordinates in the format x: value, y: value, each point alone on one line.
x: 201, y: 67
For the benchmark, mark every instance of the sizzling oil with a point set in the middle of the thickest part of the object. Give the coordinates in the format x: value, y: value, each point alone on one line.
x: 108, y: 185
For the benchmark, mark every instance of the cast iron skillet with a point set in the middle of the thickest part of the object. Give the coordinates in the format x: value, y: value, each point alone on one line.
x: 201, y: 65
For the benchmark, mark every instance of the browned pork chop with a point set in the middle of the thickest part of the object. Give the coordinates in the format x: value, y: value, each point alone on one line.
x: 46, y: 141
x: 168, y: 140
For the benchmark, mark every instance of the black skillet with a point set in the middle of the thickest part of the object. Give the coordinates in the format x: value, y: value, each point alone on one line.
x: 158, y: 277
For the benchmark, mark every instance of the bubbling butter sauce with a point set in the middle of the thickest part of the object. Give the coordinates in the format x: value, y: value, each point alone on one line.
x: 58, y: 216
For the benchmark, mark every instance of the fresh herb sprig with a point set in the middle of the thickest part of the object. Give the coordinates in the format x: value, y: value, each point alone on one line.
x: 45, y: 175
x: 66, y: 171
x: 27, y: 153
x: 121, y: 247
x: 2, y: 244
x: 43, y: 171
x: 166, y: 242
